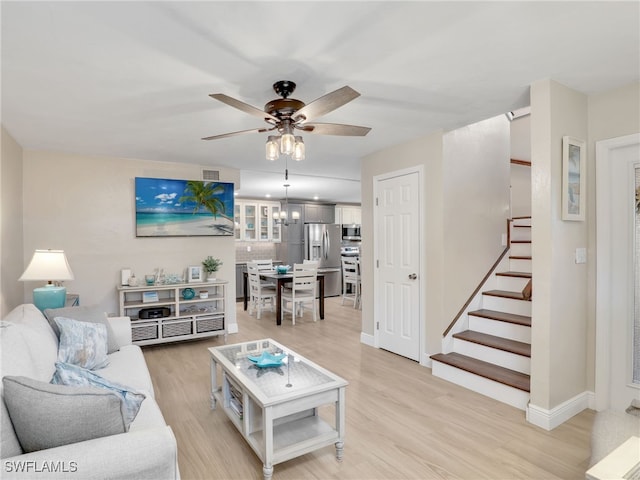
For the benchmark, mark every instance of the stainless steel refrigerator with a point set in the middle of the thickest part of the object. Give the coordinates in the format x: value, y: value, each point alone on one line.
x: 322, y: 243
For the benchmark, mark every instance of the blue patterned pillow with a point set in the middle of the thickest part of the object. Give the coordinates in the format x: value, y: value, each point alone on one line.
x: 72, y: 375
x: 82, y: 343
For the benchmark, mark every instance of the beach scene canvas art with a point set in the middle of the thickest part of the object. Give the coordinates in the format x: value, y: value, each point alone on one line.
x: 168, y: 207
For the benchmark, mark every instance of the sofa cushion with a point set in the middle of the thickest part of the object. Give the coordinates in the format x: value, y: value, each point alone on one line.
x: 41, y: 342
x: 82, y: 343
x: 72, y: 375
x: 84, y: 314
x: 47, y: 416
x: 15, y: 360
x: 128, y: 366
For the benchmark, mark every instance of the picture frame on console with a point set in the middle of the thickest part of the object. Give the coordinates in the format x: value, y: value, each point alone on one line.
x: 194, y: 274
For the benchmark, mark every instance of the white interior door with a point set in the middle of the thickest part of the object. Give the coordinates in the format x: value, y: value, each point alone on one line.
x: 617, y: 253
x: 397, y: 227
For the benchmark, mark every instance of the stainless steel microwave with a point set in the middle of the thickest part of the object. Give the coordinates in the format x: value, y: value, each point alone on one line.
x: 350, y: 232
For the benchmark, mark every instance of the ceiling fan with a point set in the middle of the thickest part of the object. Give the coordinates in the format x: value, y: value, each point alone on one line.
x: 286, y: 114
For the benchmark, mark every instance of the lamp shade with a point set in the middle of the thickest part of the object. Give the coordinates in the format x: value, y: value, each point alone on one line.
x: 48, y: 265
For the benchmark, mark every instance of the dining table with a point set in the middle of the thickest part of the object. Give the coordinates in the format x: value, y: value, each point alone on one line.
x: 281, y: 280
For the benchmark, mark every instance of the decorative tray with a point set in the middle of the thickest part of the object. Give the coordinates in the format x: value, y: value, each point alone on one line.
x: 267, y: 360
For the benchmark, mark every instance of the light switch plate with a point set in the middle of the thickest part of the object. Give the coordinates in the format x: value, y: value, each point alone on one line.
x: 581, y: 255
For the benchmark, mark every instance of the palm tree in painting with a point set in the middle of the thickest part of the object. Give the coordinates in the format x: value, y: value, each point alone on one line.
x: 205, y: 195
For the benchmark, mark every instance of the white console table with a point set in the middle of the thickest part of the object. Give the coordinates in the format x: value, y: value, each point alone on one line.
x: 188, y: 318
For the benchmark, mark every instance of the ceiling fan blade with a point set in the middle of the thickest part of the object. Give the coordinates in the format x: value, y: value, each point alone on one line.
x: 335, y: 129
x: 241, y: 132
x: 245, y: 107
x: 325, y: 104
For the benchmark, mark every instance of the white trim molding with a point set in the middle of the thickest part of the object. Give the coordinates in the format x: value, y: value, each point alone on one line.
x: 550, y: 419
x: 367, y: 339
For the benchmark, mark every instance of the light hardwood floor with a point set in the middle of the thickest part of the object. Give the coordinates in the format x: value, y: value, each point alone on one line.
x: 401, y: 422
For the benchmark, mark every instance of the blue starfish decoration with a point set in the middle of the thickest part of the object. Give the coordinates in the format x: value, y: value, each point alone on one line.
x: 267, y: 360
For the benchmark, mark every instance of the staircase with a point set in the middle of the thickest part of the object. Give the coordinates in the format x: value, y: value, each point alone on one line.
x: 489, y: 348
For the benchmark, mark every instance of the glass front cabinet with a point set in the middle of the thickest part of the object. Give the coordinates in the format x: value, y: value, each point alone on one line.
x: 254, y: 221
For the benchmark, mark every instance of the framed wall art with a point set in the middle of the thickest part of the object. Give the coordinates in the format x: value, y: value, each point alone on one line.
x: 183, y: 208
x: 573, y: 178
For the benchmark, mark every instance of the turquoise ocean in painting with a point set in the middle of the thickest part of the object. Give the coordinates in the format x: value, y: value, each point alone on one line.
x: 165, y: 217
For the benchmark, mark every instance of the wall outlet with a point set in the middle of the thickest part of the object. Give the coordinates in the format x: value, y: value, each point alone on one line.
x: 248, y: 248
x: 581, y: 255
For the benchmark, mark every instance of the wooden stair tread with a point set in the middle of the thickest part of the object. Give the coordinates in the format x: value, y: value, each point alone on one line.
x: 520, y: 257
x: 493, y: 372
x: 514, y: 274
x: 502, y: 317
x: 499, y: 343
x: 521, y: 218
x: 506, y: 294
x: 520, y: 241
x: 521, y: 226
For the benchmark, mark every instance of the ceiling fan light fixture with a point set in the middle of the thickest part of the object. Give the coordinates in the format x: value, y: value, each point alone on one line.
x: 287, y: 141
x: 298, y: 149
x: 272, y: 148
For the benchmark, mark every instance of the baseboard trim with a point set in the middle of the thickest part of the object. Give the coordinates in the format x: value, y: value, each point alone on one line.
x: 367, y: 339
x: 550, y: 419
x: 426, y: 361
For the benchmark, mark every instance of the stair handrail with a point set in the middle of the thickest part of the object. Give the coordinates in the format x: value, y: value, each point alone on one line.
x: 482, y: 282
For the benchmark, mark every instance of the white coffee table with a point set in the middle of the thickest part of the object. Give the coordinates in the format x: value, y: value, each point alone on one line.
x: 276, y: 408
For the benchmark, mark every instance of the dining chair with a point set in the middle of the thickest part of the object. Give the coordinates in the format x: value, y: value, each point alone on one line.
x: 265, y: 265
x: 351, y: 277
x: 259, y: 293
x: 302, y: 294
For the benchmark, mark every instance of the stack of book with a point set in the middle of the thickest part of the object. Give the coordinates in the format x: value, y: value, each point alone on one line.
x: 235, y: 400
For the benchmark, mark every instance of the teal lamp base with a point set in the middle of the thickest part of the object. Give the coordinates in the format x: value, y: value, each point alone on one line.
x: 49, y: 296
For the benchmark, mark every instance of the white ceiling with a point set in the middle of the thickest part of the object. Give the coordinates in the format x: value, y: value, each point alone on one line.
x: 132, y: 79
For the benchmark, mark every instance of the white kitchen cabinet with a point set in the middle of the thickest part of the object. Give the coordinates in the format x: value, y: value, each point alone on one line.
x: 348, y: 215
x: 254, y: 221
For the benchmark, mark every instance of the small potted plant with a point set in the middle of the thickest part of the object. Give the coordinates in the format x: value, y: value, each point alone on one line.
x: 211, y: 265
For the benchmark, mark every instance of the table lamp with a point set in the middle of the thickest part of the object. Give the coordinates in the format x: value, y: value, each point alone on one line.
x: 52, y: 266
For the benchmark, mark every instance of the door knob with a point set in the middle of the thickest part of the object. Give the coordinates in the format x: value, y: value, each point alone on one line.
x: 413, y: 276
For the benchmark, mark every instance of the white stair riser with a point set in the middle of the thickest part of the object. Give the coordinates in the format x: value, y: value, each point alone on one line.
x: 521, y: 234
x: 517, y: 265
x: 520, y: 249
x: 508, y: 305
x: 504, y: 359
x: 520, y: 333
x: 522, y: 221
x: 513, y: 284
x: 489, y: 388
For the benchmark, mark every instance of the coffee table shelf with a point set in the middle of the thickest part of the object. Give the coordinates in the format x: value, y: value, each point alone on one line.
x: 280, y: 418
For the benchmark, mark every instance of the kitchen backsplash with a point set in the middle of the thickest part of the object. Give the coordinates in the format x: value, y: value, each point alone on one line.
x: 259, y: 251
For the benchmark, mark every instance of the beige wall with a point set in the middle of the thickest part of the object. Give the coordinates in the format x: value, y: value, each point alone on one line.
x: 466, y: 189
x: 427, y: 152
x: 85, y: 206
x: 559, y: 308
x: 476, y: 171
x: 611, y: 114
x: 11, y: 250
x: 521, y: 174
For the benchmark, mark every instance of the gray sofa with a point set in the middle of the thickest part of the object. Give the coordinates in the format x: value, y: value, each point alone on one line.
x: 29, y: 348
